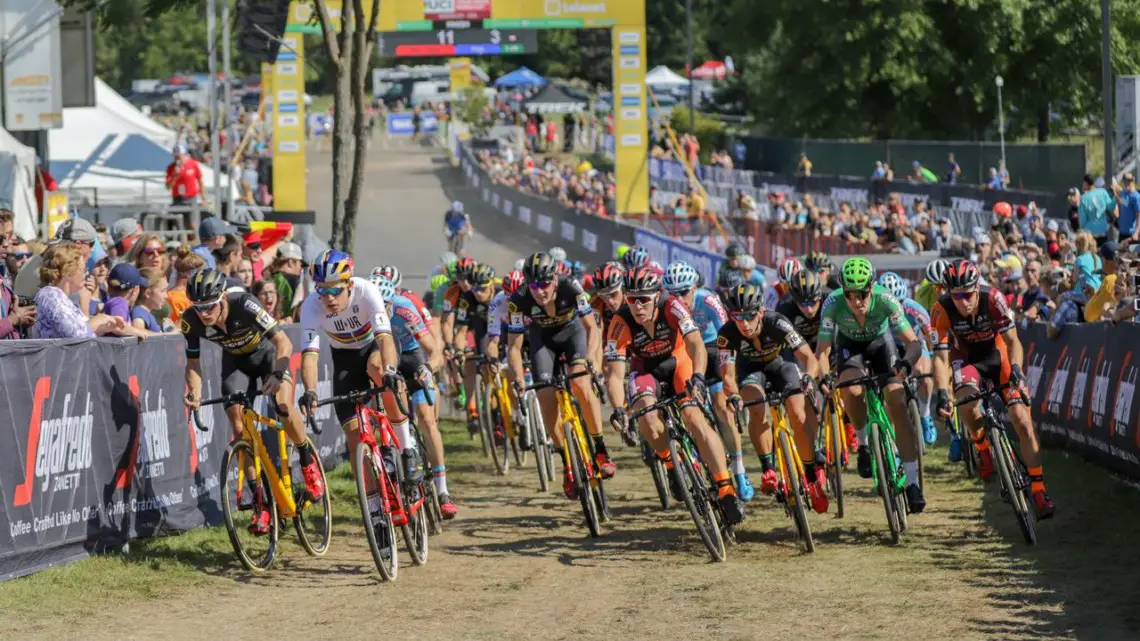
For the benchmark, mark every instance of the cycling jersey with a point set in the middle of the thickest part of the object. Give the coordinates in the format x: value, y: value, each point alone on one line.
x: 438, y: 299
x: 771, y: 299
x: 806, y: 327
x: 926, y: 294
x: 656, y: 355
x: 248, y: 326
x: 497, y: 314
x: 919, y: 321
x: 420, y: 305
x: 776, y: 335
x: 979, y: 352
x: 884, y: 314
x: 570, y: 303
x: 709, y: 314
x: 451, y: 297
x: 472, y: 314
x: 602, y: 312
x: 456, y: 221
x: 356, y: 327
x: 408, y: 326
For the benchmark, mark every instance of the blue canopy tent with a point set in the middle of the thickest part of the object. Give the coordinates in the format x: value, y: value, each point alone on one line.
x: 521, y: 77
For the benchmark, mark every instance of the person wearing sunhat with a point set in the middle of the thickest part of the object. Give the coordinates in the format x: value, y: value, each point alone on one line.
x: 287, y: 274
x: 124, y: 233
x: 212, y: 236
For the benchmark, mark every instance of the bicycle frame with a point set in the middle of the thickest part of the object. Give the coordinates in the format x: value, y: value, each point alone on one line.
x: 833, y: 406
x: 780, y: 425
x: 279, y: 481
x: 566, y: 413
x: 877, y: 415
x: 389, y: 492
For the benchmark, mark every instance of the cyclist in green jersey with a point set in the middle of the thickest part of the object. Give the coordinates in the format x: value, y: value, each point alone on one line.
x: 930, y: 289
x: 860, y: 321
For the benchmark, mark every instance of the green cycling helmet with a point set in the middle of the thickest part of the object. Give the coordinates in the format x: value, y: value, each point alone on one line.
x: 857, y: 274
x: 438, y: 281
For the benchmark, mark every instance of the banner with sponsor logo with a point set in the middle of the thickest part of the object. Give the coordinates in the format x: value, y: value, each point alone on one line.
x: 665, y: 250
x: 402, y: 123
x: 96, y: 446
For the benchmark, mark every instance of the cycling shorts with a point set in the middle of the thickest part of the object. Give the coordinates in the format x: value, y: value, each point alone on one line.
x: 712, y: 369
x: 993, y: 367
x: 674, y: 371
x: 779, y: 375
x: 350, y: 374
x: 569, y: 342
x: 877, y: 356
x: 410, y: 364
x: 245, y: 373
x: 476, y: 343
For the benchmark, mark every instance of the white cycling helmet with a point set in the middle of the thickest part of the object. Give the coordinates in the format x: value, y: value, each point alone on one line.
x: 387, y: 291
x: 447, y: 258
x: 519, y: 264
x: 680, y: 276
x: 391, y: 272
x: 456, y: 206
x: 746, y: 262
x: 936, y: 270
x: 558, y: 254
x: 789, y: 269
x: 894, y: 284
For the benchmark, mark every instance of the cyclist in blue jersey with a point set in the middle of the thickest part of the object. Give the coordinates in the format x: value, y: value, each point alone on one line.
x: 417, y: 348
x: 456, y: 227
x: 681, y: 280
x: 919, y: 320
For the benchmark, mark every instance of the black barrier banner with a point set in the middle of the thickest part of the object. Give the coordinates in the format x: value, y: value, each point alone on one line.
x: 501, y: 209
x: 1083, y: 385
x: 97, y: 447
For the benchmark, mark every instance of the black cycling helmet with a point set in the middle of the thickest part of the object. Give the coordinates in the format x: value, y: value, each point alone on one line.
x: 805, y: 286
x: 539, y: 267
x: 733, y: 250
x: 963, y: 274
x: 609, y: 276
x: 744, y: 298
x: 642, y: 280
x: 481, y: 275
x: 729, y: 279
x: 206, y: 286
x: 817, y: 260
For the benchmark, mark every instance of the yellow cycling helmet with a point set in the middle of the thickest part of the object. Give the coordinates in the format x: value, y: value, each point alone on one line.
x: 622, y: 250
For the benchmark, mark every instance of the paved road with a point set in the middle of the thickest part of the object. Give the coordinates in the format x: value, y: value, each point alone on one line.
x: 407, y: 190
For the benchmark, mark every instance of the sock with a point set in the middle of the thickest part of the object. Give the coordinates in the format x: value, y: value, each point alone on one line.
x: 767, y: 462
x: 600, y: 445
x: 924, y: 402
x: 305, y: 451
x: 861, y: 435
x: 1036, y: 480
x: 738, y: 462
x: 911, y: 469
x: 439, y: 472
x: 723, y: 484
x: 666, y: 460
x: 404, y: 434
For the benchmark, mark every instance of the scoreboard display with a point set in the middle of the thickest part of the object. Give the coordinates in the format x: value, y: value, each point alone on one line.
x: 446, y: 42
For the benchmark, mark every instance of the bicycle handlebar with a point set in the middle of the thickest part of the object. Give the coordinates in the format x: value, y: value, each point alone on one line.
x: 356, y: 397
x: 557, y: 381
x: 982, y: 395
x: 237, y: 398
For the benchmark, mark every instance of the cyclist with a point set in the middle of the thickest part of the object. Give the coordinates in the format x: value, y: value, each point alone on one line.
x: 471, y: 322
x: 977, y: 340
x: 418, y: 348
x: 930, y: 289
x: 760, y: 350
x: 860, y: 321
x: 461, y: 284
x: 919, y: 320
x: 253, y: 346
x: 392, y: 274
x: 559, y: 256
x: 728, y: 280
x: 820, y: 263
x: 456, y: 227
x: 789, y: 268
x: 496, y: 340
x: 635, y: 256
x: 664, y: 348
x: 446, y: 259
x: 607, y: 300
x: 681, y: 281
x: 561, y: 323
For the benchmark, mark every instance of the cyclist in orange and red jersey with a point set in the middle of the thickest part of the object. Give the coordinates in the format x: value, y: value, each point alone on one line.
x: 977, y: 340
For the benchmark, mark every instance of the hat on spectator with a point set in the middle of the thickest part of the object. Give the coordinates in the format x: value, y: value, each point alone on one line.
x: 290, y: 251
x: 252, y: 237
x: 125, y: 276
x: 122, y: 228
x: 1009, y: 262
x: 1108, y: 250
x: 1022, y: 211
x: 212, y: 227
x: 1073, y: 191
x: 980, y: 236
x: 1052, y: 225
x: 1003, y: 209
x: 1012, y: 277
x: 76, y: 230
x: 179, y: 149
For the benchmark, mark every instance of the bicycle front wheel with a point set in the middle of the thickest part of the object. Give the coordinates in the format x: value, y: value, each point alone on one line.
x: 313, y: 522
x: 794, y: 487
x: 484, y: 412
x: 539, y: 441
x: 915, y: 417
x: 1013, y: 485
x: 657, y: 470
x: 582, y: 480
x: 696, y: 499
x: 378, y: 525
x: 835, y: 461
x: 883, y: 485
x: 256, y: 552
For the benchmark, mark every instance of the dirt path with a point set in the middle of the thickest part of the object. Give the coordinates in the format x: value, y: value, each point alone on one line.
x: 518, y: 564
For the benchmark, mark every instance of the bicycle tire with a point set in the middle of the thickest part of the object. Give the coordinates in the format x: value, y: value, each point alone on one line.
x: 1014, y: 492
x: 365, y: 466
x: 902, y: 508
x: 415, y: 531
x: 796, y: 494
x: 969, y: 453
x: 835, y: 464
x: 431, y: 499
x: 582, y: 480
x: 597, y: 484
x: 483, y: 411
x: 320, y: 545
x: 886, y: 490
x: 657, y: 471
x: 252, y: 562
x: 498, y: 455
x: 696, y: 499
x: 915, y: 417
x: 538, y: 441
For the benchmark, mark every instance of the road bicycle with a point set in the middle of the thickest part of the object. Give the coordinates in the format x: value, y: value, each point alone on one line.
x: 531, y: 414
x: 692, y: 477
x: 578, y: 447
x: 1012, y: 473
x: 969, y: 454
x: 910, y: 387
x: 496, y: 419
x: 886, y: 470
x: 248, y: 469
x: 387, y: 499
x: 833, y: 442
x: 791, y: 489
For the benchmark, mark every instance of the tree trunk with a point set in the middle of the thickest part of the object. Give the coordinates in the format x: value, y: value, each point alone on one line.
x: 342, y: 157
x: 1043, y: 123
x: 360, y: 60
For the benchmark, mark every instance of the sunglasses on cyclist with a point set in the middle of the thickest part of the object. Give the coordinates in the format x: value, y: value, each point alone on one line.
x: 807, y: 303
x: 546, y: 284
x: 641, y: 299
x: 963, y: 295
x: 207, y: 306
x: 857, y: 295
x: 331, y: 291
x: 744, y: 316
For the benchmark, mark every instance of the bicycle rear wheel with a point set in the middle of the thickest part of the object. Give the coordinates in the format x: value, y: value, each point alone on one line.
x: 415, y: 531
x: 486, y: 430
x: 313, y: 521
x: 883, y: 482
x: 657, y: 471
x: 496, y: 435
x: 431, y: 499
x: 1014, y: 485
x: 696, y: 498
x: 582, y: 480
x: 256, y: 553
x: 378, y: 526
x: 915, y: 417
x: 835, y: 461
x: 794, y: 488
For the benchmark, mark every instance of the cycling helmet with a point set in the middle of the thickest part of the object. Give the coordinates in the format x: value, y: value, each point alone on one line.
x: 857, y: 275
x: 513, y: 281
x: 539, y: 268
x: 679, y: 277
x: 577, y: 269
x: 817, y: 260
x: 438, y: 281
x: 733, y: 250
x: 635, y: 257
x: 387, y: 289
x: 332, y: 266
x: 562, y: 268
x: 391, y: 272
x: 464, y: 267
x: 206, y: 286
x: 481, y: 275
x: 894, y: 284
x: 805, y: 286
x: 642, y: 280
x: 729, y: 278
x: 447, y: 258
x: 609, y: 277
x: 457, y: 206
x: 588, y: 282
x: 746, y: 262
x: 936, y: 270
x: 744, y: 298
x: 519, y: 264
x: 558, y: 254
x: 789, y: 268
x: 963, y: 274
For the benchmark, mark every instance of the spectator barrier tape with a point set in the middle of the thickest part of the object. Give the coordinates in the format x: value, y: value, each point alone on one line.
x: 97, y: 447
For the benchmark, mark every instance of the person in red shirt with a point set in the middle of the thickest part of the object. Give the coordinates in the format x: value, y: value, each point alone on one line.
x: 45, y: 183
x: 184, y: 179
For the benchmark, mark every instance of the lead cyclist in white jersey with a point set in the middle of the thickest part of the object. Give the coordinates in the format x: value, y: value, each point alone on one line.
x: 351, y: 312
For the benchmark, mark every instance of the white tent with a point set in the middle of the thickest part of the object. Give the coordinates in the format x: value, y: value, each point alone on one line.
x: 18, y: 183
x: 112, y: 153
x: 662, y: 76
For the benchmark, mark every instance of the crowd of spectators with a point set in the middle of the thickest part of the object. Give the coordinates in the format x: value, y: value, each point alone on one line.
x: 573, y: 183
x: 120, y: 281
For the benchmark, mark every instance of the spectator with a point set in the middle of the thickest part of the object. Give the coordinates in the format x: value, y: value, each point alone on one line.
x: 1034, y: 301
x: 922, y: 174
x: 880, y: 172
x: 1003, y: 174
x: 124, y: 233
x: 184, y: 179
x: 244, y: 272
x: 212, y: 234
x: 13, y: 316
x: 186, y: 262
x: 17, y: 254
x: 7, y: 222
x: 803, y: 169
x: 1129, y: 200
x: 1087, y: 263
x: 1071, y: 306
x: 76, y: 231
x: 953, y: 170
x: 123, y: 286
x: 994, y: 182
x: 1127, y: 304
x: 151, y: 302
x: 266, y: 292
x: 149, y: 252
x: 287, y: 275
x: 1096, y: 206
x: 228, y: 257
x: 61, y: 275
